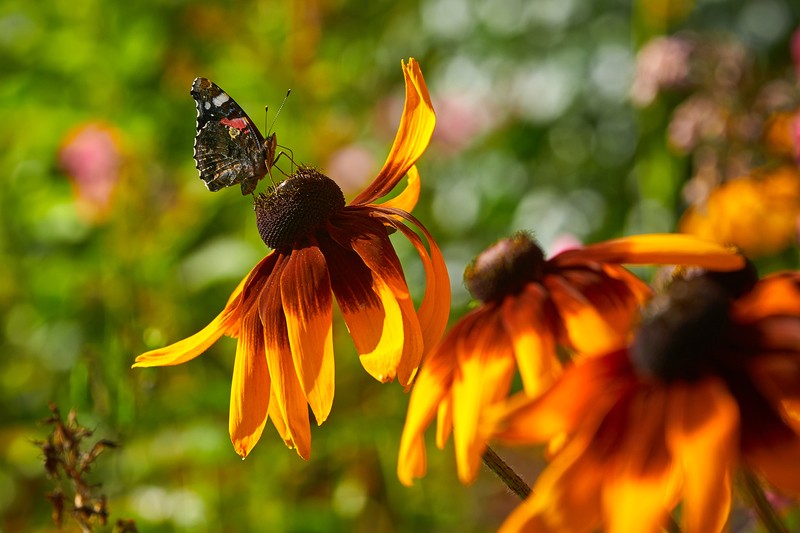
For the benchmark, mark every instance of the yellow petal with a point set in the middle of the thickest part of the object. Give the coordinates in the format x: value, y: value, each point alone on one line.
x: 431, y: 387
x: 374, y: 317
x: 444, y: 421
x: 188, y: 348
x: 589, y: 330
x: 407, y: 199
x: 413, y: 136
x: 657, y: 249
x: 531, y: 332
x: 288, y: 392
x: 227, y: 322
x: 585, y: 388
x: 434, y: 310
x: 368, y: 238
x: 308, y: 305
x: 641, y: 486
x: 250, y: 388
x: 703, y: 435
x: 566, y: 496
x: 485, y: 368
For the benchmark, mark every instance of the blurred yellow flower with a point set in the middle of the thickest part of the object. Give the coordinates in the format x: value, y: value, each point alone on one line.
x: 281, y: 312
x: 759, y: 214
x: 581, y: 299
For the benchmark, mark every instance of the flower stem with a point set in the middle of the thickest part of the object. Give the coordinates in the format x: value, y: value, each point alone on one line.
x: 766, y: 513
x: 511, y: 479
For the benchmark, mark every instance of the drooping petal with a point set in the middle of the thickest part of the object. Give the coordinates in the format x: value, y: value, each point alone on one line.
x: 308, y: 306
x: 249, y: 289
x: 482, y: 379
x: 444, y: 421
x: 527, y: 321
x: 702, y: 436
x: 413, y: 136
x: 587, y: 388
x: 227, y: 322
x: 434, y: 310
x: 566, y: 496
x: 589, y: 329
x: 368, y: 238
x: 406, y: 200
x: 250, y: 388
x: 276, y: 417
x: 666, y: 248
x: 188, y: 348
x: 430, y: 389
x: 288, y: 392
x: 641, y: 486
x: 370, y: 310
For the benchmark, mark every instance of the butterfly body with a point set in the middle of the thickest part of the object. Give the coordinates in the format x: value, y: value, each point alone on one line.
x: 228, y: 148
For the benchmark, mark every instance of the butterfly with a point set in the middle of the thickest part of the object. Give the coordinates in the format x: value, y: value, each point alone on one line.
x: 228, y: 148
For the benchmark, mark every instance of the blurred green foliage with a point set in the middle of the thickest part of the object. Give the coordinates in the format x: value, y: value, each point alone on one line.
x: 536, y: 131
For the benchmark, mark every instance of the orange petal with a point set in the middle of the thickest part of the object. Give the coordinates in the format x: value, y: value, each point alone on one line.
x: 776, y: 294
x: 434, y: 310
x: 413, y: 136
x: 587, y: 388
x: 525, y: 318
x: 250, y: 388
x: 641, y: 486
x: 431, y: 387
x: 371, y: 311
x: 779, y: 462
x: 227, y: 322
x: 407, y: 199
x: 308, y: 306
x: 590, y: 330
x: 566, y: 496
x: 657, y: 249
x: 288, y: 392
x: 276, y: 417
x: 483, y: 378
x: 703, y: 435
x: 369, y: 239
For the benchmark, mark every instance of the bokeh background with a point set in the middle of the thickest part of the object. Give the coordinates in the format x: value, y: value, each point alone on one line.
x: 576, y: 120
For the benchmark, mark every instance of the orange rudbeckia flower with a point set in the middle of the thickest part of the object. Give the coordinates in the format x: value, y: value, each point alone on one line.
x: 711, y: 381
x: 581, y: 299
x: 281, y: 312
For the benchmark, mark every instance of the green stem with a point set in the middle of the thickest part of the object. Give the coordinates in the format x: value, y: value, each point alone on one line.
x: 671, y: 525
x: 766, y: 513
x: 511, y: 479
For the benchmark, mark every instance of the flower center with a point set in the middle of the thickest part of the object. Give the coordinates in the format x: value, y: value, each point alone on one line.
x: 297, y: 207
x: 504, y: 268
x: 682, y: 328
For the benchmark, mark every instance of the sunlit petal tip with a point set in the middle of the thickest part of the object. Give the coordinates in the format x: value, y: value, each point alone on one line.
x: 186, y: 349
x: 413, y: 135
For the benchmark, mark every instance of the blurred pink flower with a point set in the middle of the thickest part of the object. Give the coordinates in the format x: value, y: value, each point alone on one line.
x: 91, y: 156
x: 662, y: 63
x: 352, y: 167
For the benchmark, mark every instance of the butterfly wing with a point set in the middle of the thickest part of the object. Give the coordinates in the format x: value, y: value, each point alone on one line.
x: 228, y: 148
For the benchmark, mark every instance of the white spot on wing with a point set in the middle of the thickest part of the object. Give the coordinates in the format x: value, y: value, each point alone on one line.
x: 207, y: 105
x: 220, y: 99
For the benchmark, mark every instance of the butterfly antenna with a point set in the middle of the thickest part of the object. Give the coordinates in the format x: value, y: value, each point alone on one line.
x: 279, y: 111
